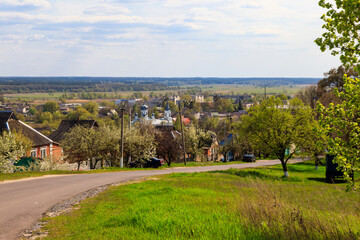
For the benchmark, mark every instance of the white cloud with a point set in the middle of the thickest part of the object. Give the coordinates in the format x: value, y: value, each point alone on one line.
x: 106, y: 9
x: 23, y: 4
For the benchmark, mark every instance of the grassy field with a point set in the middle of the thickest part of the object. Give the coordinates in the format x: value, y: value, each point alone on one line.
x: 233, y: 204
x: 249, y: 89
x: 21, y: 175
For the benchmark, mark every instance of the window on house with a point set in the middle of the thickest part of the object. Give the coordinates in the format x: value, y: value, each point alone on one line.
x: 33, y: 153
x: 43, y: 152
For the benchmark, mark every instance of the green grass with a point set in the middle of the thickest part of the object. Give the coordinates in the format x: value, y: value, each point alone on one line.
x: 233, y: 204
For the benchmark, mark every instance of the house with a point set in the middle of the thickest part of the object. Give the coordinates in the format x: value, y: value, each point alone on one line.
x: 42, y: 146
x: 211, y: 149
x: 67, y: 125
x: 226, y: 148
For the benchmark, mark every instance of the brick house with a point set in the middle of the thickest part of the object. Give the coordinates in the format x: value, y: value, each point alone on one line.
x: 42, y: 146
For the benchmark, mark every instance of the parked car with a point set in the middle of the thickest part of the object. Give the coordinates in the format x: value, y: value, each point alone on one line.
x: 154, y: 163
x: 249, y: 158
x: 147, y: 163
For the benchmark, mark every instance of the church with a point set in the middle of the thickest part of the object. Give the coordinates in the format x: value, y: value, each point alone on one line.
x: 144, y: 117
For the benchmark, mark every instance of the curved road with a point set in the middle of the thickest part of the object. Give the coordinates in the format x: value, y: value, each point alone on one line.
x: 22, y: 202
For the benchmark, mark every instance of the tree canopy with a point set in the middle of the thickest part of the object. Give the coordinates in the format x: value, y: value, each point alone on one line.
x: 341, y: 123
x: 51, y: 107
x: 341, y: 23
x: 278, y: 127
x: 12, y: 147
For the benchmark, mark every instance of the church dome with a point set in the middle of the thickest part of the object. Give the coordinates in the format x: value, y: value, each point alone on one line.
x: 144, y: 107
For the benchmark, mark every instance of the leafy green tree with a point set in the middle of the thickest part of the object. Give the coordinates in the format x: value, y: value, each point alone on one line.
x: 278, y: 126
x: 82, y: 144
x: 196, y: 139
x: 32, y: 111
x: 12, y: 147
x: 92, y: 107
x: 341, y: 23
x: 51, y: 107
x: 341, y: 123
x: 79, y: 113
x: 62, y: 100
x: 177, y: 124
x: 139, y: 142
x: 42, y: 117
x: 224, y: 105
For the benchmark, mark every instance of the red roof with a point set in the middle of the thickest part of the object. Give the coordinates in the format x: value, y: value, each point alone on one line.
x: 186, y: 121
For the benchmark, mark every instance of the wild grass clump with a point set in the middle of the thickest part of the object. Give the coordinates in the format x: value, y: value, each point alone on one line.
x: 234, y: 204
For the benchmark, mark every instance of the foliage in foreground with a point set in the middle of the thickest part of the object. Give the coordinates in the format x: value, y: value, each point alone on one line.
x: 235, y: 204
x: 341, y: 124
x: 341, y: 23
x: 12, y: 147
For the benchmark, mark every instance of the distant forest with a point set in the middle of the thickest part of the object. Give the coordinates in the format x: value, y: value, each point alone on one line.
x: 10, y: 85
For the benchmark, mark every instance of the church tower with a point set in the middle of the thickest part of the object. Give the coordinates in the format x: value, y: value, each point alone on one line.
x: 167, y: 114
x: 144, y: 111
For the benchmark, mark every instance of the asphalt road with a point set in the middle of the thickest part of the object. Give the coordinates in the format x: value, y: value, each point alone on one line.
x: 22, y: 202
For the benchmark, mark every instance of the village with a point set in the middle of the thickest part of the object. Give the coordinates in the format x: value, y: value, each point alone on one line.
x: 47, y: 125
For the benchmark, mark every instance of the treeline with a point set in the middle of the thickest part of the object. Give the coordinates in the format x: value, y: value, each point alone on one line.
x: 10, y: 85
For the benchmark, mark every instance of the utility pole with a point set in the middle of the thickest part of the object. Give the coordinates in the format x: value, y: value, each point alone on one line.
x: 129, y: 118
x: 122, y: 138
x: 129, y: 160
x: 265, y: 92
x: 182, y: 134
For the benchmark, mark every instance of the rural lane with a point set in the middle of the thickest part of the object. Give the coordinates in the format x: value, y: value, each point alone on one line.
x: 22, y: 202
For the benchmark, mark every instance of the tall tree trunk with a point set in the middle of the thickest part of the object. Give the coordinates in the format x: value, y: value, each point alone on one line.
x: 284, y: 166
x: 316, y: 161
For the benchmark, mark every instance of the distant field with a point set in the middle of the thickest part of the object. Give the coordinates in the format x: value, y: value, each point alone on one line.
x: 33, y: 96
x: 249, y: 89
x: 39, y: 98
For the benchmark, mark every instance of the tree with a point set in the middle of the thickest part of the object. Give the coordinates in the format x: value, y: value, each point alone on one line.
x: 177, y: 124
x: 139, y: 142
x: 341, y: 123
x: 51, y: 107
x: 240, y: 107
x: 224, y: 105
x: 92, y: 107
x: 83, y: 144
x: 79, y: 113
x: 12, y: 147
x: 196, y: 139
x: 282, y: 129
x: 32, y: 110
x: 309, y: 96
x: 335, y: 78
x: 169, y: 146
x: 341, y: 23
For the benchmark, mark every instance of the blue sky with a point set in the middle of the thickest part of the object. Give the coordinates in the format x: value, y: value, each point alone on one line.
x: 162, y: 38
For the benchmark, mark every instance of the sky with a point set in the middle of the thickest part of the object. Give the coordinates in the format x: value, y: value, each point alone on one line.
x: 162, y: 38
